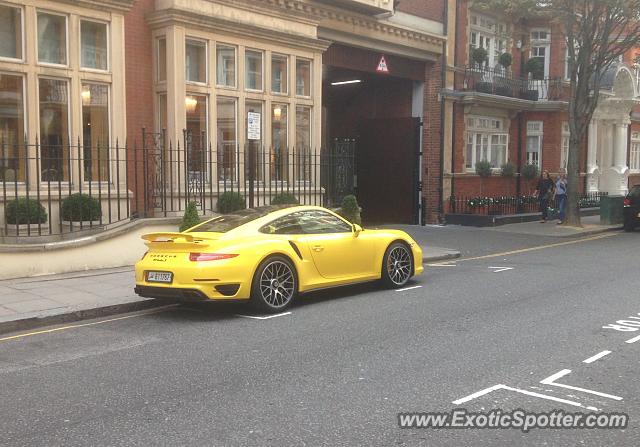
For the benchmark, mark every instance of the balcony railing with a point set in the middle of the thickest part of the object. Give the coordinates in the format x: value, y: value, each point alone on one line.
x: 502, y: 83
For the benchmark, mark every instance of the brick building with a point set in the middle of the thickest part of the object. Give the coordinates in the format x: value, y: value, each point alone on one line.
x: 505, y: 114
x: 360, y: 75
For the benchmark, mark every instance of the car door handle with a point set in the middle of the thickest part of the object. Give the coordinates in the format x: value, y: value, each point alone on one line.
x: 318, y: 248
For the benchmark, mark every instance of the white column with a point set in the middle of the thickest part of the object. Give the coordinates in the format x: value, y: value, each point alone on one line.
x: 592, y: 153
x: 620, y: 145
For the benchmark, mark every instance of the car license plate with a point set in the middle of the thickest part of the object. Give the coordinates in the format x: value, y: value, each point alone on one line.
x: 165, y: 277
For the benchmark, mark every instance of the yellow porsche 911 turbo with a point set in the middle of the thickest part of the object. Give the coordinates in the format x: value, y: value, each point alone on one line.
x: 269, y: 255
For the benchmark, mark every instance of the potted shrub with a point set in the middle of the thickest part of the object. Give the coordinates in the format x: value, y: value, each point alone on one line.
x: 25, y: 215
x: 350, y: 209
x: 80, y: 210
x: 484, y: 170
x: 479, y: 57
x: 229, y: 202
x: 190, y: 218
x: 508, y: 170
x: 503, y: 87
x: 530, y: 172
x: 535, y: 68
x: 284, y: 199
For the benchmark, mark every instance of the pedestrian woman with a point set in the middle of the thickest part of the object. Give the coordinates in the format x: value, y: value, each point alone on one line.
x: 561, y: 195
x: 544, y: 191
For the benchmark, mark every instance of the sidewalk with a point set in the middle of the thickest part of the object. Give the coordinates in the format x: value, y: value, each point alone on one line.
x: 590, y: 226
x: 31, y: 302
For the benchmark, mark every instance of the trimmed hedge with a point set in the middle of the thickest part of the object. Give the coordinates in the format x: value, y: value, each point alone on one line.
x: 350, y: 209
x: 80, y: 207
x: 229, y: 202
x: 25, y: 211
x: 285, y: 199
x: 191, y: 218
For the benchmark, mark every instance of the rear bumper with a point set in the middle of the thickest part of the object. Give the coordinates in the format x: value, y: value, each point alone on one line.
x: 631, y: 214
x: 170, y: 293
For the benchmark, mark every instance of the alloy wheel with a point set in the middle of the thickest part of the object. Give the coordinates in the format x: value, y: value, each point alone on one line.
x: 277, y: 284
x: 399, y: 265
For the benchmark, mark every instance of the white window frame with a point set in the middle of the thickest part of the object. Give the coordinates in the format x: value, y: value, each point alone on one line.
x: 206, y: 60
x: 236, y: 106
x: 81, y: 154
x: 157, y: 64
x: 235, y: 63
x: 541, y: 43
x: 70, y: 181
x: 634, y: 153
x: 25, y: 123
x: 262, y: 67
x: 489, y: 30
x: 101, y: 22
x: 481, y: 130
x: 286, y: 71
x: 534, y: 132
x: 22, y: 35
x: 66, y: 27
x: 295, y: 81
x: 564, y: 145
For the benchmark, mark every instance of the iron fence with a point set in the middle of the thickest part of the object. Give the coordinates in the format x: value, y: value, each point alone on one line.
x: 508, y: 205
x: 60, y: 189
x: 501, y: 82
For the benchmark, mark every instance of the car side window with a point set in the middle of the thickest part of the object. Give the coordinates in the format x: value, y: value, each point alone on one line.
x: 320, y: 222
x: 289, y: 224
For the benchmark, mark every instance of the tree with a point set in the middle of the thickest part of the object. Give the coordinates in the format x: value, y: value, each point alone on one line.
x: 597, y: 33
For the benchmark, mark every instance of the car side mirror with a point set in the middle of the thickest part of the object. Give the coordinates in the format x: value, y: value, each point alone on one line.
x: 357, y: 229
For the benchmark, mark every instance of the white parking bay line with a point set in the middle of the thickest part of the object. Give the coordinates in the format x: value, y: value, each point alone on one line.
x: 633, y: 340
x: 551, y: 380
x: 408, y: 288
x: 501, y: 269
x: 441, y: 265
x: 253, y: 317
x: 596, y: 357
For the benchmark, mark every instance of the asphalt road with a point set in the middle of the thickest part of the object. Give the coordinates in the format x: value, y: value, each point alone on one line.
x: 339, y: 368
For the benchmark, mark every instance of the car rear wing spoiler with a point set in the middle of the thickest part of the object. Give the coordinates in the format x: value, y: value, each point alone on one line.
x: 172, y: 236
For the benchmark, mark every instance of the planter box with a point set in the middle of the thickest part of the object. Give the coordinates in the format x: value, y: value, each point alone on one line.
x: 484, y: 87
x: 27, y: 229
x: 531, y: 95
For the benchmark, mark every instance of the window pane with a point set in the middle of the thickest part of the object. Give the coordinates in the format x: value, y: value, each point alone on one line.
x: 196, y: 143
x: 227, y: 139
x: 12, y: 153
x: 10, y: 32
x: 52, y: 38
x: 255, y: 107
x: 196, y: 61
x: 318, y: 222
x: 94, y: 45
x: 279, y: 154
x: 95, y: 132
x: 54, y: 129
x: 226, y: 63
x: 303, y: 77
x: 279, y: 78
x: 162, y: 112
x: 303, y: 143
x: 162, y: 59
x: 253, y: 69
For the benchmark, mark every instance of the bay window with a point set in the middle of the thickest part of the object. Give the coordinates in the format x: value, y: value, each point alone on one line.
x: 10, y: 32
x: 12, y: 128
x: 161, y: 68
x: 53, y: 96
x: 487, y: 140
x: 52, y: 38
x: 196, y: 61
x: 95, y: 131
x: 93, y: 41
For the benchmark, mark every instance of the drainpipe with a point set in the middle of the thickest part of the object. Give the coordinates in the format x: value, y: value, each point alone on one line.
x: 453, y: 111
x: 443, y: 74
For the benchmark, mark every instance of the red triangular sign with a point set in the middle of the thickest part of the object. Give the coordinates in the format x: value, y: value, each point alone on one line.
x: 382, y: 66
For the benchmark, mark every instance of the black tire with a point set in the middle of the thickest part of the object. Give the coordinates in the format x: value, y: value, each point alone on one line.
x: 397, y: 265
x: 275, y: 285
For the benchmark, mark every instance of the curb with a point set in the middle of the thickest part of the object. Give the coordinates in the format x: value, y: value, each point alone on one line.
x: 590, y: 232
x: 78, y: 315
x: 444, y: 257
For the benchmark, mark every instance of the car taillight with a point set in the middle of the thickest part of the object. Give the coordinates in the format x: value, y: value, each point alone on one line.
x: 197, y: 257
x: 627, y: 202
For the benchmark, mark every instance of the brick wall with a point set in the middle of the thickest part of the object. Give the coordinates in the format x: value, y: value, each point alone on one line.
x: 432, y: 142
x: 428, y: 9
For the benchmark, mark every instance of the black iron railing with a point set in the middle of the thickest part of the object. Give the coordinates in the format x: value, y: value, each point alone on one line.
x: 502, y: 83
x: 508, y: 205
x: 57, y: 189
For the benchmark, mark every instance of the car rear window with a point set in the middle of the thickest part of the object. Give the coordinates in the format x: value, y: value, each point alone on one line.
x: 228, y: 222
x: 635, y: 192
